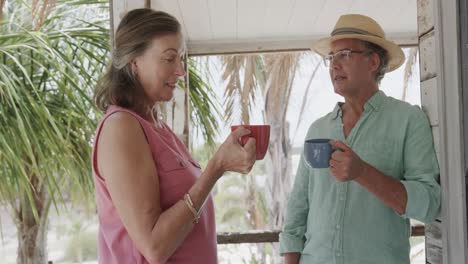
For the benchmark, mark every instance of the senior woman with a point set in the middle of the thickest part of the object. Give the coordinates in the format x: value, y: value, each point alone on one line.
x: 154, y: 203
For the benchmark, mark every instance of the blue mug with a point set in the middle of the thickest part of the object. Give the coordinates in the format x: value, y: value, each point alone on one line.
x: 318, y: 152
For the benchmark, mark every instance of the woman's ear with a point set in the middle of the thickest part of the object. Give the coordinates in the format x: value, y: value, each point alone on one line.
x: 134, y: 66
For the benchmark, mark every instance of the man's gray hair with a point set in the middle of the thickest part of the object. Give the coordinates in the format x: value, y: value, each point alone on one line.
x: 383, y: 55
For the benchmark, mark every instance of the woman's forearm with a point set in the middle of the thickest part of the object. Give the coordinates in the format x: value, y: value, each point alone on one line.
x: 174, y: 224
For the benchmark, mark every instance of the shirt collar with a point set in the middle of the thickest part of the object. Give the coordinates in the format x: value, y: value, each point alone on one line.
x: 337, y: 110
x: 375, y: 102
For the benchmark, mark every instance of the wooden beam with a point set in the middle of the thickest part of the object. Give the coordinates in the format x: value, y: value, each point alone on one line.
x: 248, y: 237
x: 417, y: 231
x: 273, y: 236
x: 217, y: 47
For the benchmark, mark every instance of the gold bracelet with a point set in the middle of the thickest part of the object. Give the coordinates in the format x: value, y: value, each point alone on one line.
x: 188, y: 201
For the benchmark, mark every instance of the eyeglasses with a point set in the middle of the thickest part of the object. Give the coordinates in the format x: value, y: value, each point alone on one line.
x: 341, y: 56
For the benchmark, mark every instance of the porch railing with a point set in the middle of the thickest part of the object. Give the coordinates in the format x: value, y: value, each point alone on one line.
x: 273, y: 236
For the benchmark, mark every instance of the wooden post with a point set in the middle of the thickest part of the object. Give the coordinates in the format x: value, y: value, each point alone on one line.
x: 120, y: 7
x: 446, y: 238
x: 2, y: 4
x: 430, y: 105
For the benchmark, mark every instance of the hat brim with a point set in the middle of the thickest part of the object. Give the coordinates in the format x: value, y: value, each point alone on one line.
x: 396, y: 57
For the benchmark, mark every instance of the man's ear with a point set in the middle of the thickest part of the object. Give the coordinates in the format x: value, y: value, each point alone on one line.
x: 375, y: 61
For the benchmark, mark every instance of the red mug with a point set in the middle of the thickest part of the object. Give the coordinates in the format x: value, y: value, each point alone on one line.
x: 261, y: 133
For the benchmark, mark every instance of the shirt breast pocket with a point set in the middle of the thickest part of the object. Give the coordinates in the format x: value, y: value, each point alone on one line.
x: 172, y: 163
x: 173, y: 172
x: 382, y: 156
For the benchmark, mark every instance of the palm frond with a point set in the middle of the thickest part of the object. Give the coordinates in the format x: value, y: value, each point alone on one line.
x: 409, y: 67
x: 232, y: 65
x: 306, y: 95
x: 47, y: 118
x: 205, y: 109
x: 281, y: 71
x: 244, y: 75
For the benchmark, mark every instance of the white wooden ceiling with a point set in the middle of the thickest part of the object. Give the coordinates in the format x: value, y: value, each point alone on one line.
x: 231, y: 26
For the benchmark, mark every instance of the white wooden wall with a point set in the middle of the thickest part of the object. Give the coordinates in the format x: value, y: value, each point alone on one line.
x: 177, y: 111
x: 430, y: 105
x: 441, y: 100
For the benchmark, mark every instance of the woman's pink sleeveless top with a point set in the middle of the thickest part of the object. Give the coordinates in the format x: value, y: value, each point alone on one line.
x: 177, y: 172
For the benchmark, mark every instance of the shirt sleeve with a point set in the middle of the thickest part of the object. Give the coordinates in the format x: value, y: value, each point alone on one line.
x: 292, y: 238
x: 421, y: 171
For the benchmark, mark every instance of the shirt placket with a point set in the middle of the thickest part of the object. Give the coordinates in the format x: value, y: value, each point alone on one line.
x: 343, y: 187
x: 339, y: 231
x: 341, y: 204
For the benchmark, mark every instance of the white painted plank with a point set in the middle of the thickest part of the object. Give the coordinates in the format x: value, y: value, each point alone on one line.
x: 250, y: 46
x: 171, y: 7
x: 134, y: 4
x: 436, y: 138
x: 254, y: 22
x: 196, y: 18
x: 328, y: 17
x: 425, y: 16
x: 304, y: 16
x: 379, y: 10
x: 363, y: 6
x: 121, y: 7
x: 223, y: 18
x: 427, y: 59
x: 397, y: 18
x: 407, y: 17
x: 433, y: 254
x: 275, y: 19
x: 454, y: 211
x: 433, y: 236
x: 375, y: 9
x: 429, y: 100
x: 250, y: 18
x: 438, y: 154
x: 205, y: 47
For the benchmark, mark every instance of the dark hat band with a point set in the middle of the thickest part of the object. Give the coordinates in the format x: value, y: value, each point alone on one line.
x: 343, y: 31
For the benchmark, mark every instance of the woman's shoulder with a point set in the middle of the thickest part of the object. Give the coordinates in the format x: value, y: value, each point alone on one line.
x: 122, y: 119
x: 122, y: 124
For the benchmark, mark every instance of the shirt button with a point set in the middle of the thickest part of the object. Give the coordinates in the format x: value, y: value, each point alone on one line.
x: 338, y: 254
x: 341, y: 198
x: 337, y: 226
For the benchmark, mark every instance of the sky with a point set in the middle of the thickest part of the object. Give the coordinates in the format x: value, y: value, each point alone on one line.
x: 320, y: 100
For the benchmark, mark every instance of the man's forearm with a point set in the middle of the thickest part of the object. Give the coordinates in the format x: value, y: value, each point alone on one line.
x: 389, y: 190
x: 292, y: 258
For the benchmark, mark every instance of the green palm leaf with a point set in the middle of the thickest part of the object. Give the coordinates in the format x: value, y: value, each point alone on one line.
x: 202, y: 101
x: 47, y: 73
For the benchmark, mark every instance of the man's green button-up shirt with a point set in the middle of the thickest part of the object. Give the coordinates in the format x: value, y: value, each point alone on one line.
x: 342, y: 222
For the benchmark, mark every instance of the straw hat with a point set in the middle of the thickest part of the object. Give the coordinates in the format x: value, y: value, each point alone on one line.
x: 364, y: 28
